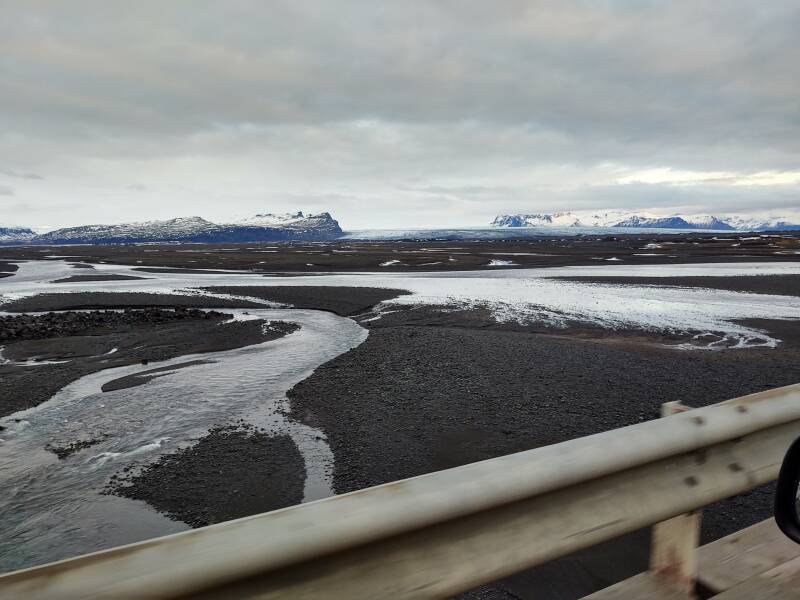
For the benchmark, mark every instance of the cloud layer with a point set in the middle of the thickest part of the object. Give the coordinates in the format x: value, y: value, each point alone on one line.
x: 395, y: 114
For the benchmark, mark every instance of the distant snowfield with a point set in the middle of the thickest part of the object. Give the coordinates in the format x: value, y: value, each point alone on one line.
x: 512, y: 295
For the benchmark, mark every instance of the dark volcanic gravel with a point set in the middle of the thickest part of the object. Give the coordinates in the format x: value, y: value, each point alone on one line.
x: 416, y: 399
x: 343, y: 301
x: 67, y: 450
x: 109, y: 277
x: 99, y: 300
x: 230, y: 473
x: 7, y: 269
x: 144, y: 377
x: 419, y: 399
x: 50, y: 325
x: 179, y: 271
x: 438, y: 255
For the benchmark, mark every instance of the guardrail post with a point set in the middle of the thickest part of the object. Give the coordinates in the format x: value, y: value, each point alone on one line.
x: 673, y: 551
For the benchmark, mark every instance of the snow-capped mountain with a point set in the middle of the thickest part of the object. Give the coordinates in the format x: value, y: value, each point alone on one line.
x: 674, y: 222
x: 295, y: 221
x: 15, y: 234
x: 750, y: 223
x: 646, y: 221
x: 565, y: 219
x: 708, y: 222
x: 272, y: 220
x: 261, y: 228
x: 180, y: 229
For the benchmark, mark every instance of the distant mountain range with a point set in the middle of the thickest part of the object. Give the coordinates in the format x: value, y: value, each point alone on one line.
x: 321, y: 227
x: 259, y: 228
x: 15, y: 234
x: 646, y: 221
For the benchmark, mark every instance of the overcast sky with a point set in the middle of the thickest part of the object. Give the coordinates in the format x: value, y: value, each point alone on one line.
x: 395, y: 114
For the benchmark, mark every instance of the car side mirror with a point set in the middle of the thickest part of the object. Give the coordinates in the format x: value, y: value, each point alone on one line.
x: 787, y: 511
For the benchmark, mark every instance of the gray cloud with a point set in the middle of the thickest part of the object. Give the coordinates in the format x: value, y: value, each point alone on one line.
x: 22, y: 175
x: 450, y: 109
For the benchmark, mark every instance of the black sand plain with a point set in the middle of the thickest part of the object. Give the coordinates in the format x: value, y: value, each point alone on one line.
x: 429, y: 390
x: 431, y: 255
x: 418, y: 398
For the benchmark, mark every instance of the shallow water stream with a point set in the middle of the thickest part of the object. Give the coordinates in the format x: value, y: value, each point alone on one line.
x: 53, y: 508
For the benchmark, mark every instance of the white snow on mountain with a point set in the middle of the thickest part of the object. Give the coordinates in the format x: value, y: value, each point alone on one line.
x: 706, y: 221
x: 16, y: 234
x: 263, y: 227
x: 762, y: 223
x: 562, y: 219
x: 296, y: 221
x: 272, y: 220
x: 172, y: 229
x: 647, y: 220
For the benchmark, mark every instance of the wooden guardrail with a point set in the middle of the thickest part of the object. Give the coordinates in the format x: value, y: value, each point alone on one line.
x: 438, y: 534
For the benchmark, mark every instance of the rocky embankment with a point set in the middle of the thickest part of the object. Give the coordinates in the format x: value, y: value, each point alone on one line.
x: 60, y: 324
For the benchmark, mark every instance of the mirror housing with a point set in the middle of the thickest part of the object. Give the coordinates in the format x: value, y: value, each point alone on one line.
x: 786, y: 505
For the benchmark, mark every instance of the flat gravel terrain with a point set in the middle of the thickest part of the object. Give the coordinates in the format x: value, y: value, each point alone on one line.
x: 344, y: 301
x: 68, y: 323
x: 98, y: 277
x: 115, y: 300
x: 261, y: 473
x: 434, y: 255
x: 414, y: 399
